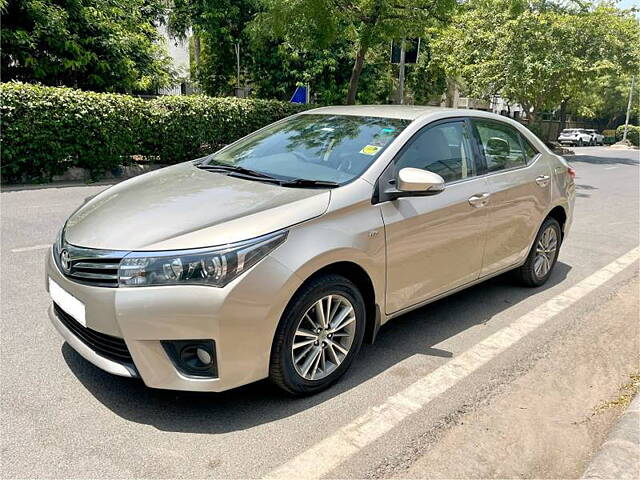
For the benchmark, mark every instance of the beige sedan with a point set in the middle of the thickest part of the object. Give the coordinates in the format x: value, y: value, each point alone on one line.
x: 280, y: 254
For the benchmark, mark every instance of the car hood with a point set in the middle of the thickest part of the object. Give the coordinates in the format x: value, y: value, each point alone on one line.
x: 182, y: 207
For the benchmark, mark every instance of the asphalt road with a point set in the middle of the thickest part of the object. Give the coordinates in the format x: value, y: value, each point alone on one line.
x: 62, y: 417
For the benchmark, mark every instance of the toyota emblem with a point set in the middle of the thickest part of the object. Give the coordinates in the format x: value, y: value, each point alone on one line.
x: 65, y: 262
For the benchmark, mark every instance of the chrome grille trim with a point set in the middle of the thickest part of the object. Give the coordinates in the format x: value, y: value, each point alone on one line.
x: 97, y: 266
x: 90, y: 266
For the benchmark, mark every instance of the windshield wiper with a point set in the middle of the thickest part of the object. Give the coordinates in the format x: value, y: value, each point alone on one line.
x: 237, y: 169
x: 305, y: 182
x: 245, y: 173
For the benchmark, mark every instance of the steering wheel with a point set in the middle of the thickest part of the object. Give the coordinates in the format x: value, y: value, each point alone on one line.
x: 344, y: 165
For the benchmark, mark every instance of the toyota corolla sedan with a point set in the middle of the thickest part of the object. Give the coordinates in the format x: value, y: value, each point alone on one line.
x: 277, y: 256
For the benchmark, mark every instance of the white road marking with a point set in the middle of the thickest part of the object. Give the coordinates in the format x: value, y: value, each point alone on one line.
x: 29, y: 249
x: 327, y: 454
x: 610, y: 168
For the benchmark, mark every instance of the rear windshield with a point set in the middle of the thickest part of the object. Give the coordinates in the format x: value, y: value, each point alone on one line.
x: 335, y: 148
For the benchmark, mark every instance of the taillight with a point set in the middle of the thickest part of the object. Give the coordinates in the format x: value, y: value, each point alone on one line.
x: 572, y: 173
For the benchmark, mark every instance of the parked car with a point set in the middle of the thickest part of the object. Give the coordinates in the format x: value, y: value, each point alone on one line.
x: 280, y: 254
x: 596, y: 138
x: 575, y: 136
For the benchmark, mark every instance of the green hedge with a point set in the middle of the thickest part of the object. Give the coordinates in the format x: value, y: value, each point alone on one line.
x: 633, y: 134
x: 46, y: 130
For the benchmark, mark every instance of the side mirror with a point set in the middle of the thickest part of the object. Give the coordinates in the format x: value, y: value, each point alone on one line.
x: 415, y: 181
x: 497, y: 147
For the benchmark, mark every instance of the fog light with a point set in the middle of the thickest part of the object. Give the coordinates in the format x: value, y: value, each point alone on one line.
x: 193, y: 358
x: 203, y: 356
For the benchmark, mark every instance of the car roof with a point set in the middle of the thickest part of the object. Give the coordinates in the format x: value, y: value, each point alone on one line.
x: 407, y: 112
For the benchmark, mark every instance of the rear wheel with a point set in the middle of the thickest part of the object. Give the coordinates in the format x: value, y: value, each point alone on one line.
x: 319, y: 335
x: 543, y: 255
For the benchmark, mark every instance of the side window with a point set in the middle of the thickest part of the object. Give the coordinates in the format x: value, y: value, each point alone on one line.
x: 501, y: 145
x: 529, y: 152
x: 443, y: 149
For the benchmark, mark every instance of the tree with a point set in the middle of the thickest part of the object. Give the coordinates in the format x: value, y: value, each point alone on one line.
x: 103, y: 45
x: 365, y: 24
x: 605, y: 100
x: 217, y: 26
x: 538, y: 54
x: 277, y: 68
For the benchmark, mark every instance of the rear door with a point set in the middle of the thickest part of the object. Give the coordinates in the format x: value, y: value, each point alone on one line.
x: 520, y: 186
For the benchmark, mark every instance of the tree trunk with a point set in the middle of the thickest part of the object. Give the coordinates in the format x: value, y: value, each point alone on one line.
x: 355, y: 75
x: 196, y: 50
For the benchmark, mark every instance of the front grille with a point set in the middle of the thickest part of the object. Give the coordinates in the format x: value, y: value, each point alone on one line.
x: 89, y: 266
x: 96, y: 271
x: 104, y: 345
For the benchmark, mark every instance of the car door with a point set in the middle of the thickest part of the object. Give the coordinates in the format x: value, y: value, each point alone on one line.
x: 435, y: 243
x: 520, y: 186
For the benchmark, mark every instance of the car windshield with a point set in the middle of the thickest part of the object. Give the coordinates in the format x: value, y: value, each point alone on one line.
x: 316, y: 147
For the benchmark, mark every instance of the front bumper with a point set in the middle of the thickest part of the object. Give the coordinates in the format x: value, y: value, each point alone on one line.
x: 240, y: 318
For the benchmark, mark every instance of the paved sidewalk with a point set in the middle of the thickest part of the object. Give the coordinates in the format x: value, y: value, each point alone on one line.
x: 619, y: 456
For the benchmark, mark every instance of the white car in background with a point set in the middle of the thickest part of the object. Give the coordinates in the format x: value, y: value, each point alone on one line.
x: 596, y: 138
x: 575, y: 136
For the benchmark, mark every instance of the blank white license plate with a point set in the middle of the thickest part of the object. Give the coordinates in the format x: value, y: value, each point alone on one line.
x: 67, y: 302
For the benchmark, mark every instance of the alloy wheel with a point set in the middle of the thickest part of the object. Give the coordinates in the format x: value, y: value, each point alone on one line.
x: 323, y: 337
x: 545, y: 252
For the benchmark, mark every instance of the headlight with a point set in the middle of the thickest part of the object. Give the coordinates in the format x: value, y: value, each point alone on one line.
x: 214, y: 267
x: 57, y: 245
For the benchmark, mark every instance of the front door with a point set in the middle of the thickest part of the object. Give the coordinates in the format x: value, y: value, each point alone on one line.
x: 436, y: 243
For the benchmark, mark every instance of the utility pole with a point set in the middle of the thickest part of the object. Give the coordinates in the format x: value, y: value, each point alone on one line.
x: 237, y: 68
x: 401, y: 75
x: 626, y: 122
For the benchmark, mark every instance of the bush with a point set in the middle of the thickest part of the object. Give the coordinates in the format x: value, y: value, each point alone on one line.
x: 633, y: 134
x: 46, y: 130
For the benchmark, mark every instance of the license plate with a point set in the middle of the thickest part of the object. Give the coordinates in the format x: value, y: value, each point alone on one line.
x: 67, y: 302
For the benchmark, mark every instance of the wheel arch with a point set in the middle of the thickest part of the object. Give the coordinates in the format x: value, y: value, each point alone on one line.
x: 361, y: 278
x: 560, y: 214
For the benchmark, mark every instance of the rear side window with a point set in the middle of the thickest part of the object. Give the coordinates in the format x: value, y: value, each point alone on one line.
x: 444, y: 149
x: 529, y: 152
x: 500, y: 144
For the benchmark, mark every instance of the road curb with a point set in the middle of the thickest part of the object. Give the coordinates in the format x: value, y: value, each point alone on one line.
x: 619, y: 455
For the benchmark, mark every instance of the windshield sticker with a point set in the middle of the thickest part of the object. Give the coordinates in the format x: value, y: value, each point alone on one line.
x: 370, y: 149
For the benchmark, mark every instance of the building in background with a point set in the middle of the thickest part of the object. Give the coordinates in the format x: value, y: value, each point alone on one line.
x: 179, y: 52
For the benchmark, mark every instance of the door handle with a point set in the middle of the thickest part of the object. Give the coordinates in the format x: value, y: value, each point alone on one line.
x: 479, y: 200
x: 543, y: 180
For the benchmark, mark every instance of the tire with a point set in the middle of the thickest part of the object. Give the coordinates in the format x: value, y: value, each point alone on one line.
x: 580, y: 143
x: 287, y: 373
x: 533, y: 273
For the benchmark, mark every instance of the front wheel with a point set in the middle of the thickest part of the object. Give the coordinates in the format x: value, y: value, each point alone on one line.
x: 543, y: 255
x: 319, y: 335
